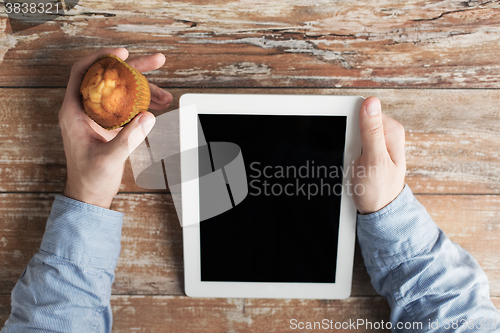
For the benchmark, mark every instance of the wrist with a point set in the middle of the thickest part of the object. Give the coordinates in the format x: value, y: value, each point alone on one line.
x: 77, y: 193
x: 386, y: 200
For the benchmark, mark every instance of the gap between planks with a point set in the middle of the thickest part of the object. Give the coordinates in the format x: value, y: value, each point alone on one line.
x: 278, y: 88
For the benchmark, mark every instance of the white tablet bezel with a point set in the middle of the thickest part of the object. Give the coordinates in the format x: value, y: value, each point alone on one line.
x: 348, y: 106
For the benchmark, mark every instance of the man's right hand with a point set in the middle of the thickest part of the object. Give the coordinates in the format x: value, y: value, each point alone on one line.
x: 94, y: 155
x: 379, y: 173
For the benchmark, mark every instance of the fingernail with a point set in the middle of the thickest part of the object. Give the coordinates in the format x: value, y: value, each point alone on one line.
x: 373, y: 109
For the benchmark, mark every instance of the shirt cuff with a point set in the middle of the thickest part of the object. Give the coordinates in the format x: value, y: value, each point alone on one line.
x: 83, y: 233
x: 397, y: 232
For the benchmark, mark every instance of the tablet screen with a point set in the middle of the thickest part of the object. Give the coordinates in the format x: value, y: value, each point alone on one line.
x: 286, y: 229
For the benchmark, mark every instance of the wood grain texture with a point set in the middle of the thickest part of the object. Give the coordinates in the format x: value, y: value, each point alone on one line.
x: 452, y: 142
x: 277, y: 47
x: 4, y: 309
x: 154, y: 314
x: 151, y: 257
x: 182, y: 314
x: 331, y: 43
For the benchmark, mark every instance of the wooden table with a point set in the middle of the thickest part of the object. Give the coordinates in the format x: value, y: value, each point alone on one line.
x: 434, y: 64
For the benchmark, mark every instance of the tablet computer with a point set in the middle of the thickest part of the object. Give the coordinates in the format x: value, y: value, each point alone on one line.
x: 285, y: 164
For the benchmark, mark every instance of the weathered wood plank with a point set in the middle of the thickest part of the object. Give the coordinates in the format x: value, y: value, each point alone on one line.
x: 4, y: 309
x: 452, y: 137
x: 287, y: 43
x: 32, y: 155
x: 473, y: 222
x: 151, y: 258
x: 239, y: 315
x: 183, y: 314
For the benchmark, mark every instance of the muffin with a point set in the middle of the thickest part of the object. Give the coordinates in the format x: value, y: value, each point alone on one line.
x: 113, y: 92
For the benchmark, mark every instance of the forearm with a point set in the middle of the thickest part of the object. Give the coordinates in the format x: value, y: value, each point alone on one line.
x: 67, y: 285
x: 425, y: 277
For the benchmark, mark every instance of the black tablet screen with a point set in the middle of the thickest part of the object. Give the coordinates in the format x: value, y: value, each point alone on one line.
x: 286, y: 229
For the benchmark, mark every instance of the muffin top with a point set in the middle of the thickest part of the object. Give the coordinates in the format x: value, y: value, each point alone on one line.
x: 110, y: 92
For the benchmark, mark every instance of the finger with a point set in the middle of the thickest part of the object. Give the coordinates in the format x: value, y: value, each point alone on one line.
x: 394, y: 139
x: 158, y: 107
x: 105, y: 134
x: 147, y: 63
x: 78, y: 71
x: 372, y: 129
x: 160, y: 98
x: 131, y: 136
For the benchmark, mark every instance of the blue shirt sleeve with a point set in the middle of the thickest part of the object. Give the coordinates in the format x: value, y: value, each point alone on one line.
x: 426, y: 278
x: 66, y: 287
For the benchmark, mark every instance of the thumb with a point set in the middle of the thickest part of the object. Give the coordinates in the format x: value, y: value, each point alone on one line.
x: 132, y: 135
x: 371, y: 128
